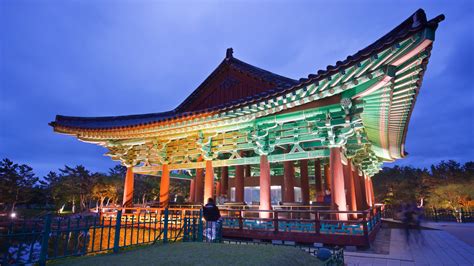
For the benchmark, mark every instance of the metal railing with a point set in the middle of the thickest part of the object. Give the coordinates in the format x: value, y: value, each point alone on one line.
x: 435, y: 215
x: 444, y: 215
x: 39, y: 240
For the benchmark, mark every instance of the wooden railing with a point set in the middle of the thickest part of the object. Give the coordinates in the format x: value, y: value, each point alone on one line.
x: 307, y: 226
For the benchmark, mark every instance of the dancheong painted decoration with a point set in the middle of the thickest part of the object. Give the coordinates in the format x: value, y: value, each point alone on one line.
x: 245, y: 127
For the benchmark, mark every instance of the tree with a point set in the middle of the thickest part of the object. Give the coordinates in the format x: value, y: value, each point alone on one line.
x: 117, y: 178
x: 79, y: 182
x: 47, y: 184
x: 104, y: 188
x: 453, y: 196
x: 448, y: 185
x: 146, y: 187
x: 16, y: 183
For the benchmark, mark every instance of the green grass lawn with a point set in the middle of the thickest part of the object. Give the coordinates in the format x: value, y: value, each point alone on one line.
x: 199, y: 254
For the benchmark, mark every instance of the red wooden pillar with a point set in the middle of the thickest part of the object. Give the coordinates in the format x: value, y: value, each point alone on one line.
x: 337, y: 182
x: 199, y: 184
x: 367, y: 191
x: 165, y: 187
x: 350, y: 187
x: 128, y: 188
x: 358, y: 189
x: 289, y: 181
x: 224, y: 180
x: 239, y: 183
x: 318, y: 182
x: 304, y: 182
x: 327, y: 177
x: 372, y: 193
x: 209, y: 181
x: 218, y: 189
x: 191, y: 191
x: 362, y: 189
x: 265, y: 191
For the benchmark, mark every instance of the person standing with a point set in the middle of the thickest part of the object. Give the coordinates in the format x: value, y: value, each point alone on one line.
x: 212, y: 216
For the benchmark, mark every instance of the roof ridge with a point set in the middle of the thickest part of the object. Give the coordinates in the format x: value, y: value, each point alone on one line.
x: 233, y: 59
x: 280, y: 81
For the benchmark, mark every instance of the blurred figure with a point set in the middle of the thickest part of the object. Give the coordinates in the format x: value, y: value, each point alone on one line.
x: 411, y: 217
x: 407, y: 219
x: 417, y: 219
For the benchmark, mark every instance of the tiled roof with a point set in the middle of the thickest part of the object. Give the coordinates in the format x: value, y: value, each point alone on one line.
x: 279, y: 82
x: 111, y: 121
x: 142, y: 119
x: 413, y: 24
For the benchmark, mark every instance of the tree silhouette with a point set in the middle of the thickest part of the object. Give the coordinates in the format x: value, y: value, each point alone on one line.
x: 16, y: 183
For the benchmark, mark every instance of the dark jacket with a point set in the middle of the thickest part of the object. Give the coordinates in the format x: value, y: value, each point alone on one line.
x: 211, y: 212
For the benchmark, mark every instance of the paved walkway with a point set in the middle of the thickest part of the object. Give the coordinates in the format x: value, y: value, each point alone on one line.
x: 464, y: 232
x: 431, y: 247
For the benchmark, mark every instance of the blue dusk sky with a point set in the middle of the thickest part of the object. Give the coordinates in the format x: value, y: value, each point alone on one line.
x: 100, y: 58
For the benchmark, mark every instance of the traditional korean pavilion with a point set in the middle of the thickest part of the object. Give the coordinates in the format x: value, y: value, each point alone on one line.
x: 263, y: 138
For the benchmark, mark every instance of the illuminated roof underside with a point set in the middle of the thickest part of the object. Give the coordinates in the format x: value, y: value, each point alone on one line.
x: 362, y: 104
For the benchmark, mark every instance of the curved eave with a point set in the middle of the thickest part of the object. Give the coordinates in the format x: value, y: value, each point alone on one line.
x: 357, y: 69
x: 387, y: 112
x: 85, y: 133
x: 402, y: 116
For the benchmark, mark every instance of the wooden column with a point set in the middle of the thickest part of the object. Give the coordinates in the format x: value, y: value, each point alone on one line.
x: 165, y: 187
x: 225, y: 180
x: 327, y: 177
x: 372, y: 193
x: 199, y: 185
x: 367, y: 191
x: 337, y: 182
x: 218, y: 189
x: 358, y: 189
x: 191, y: 190
x: 363, y: 183
x: 128, y: 188
x: 239, y: 183
x: 304, y: 182
x: 318, y: 182
x: 362, y: 189
x: 265, y: 191
x: 209, y: 181
x: 289, y: 181
x: 349, y: 185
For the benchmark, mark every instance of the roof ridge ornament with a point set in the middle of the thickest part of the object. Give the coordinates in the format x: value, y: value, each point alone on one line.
x: 229, y: 53
x: 416, y: 21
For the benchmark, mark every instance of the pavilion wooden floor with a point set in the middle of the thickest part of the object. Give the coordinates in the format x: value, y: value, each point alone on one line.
x: 434, y: 247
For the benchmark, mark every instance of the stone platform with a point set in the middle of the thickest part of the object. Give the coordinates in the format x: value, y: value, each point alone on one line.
x: 426, y: 247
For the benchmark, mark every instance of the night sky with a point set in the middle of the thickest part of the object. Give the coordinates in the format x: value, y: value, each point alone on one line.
x: 100, y: 58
